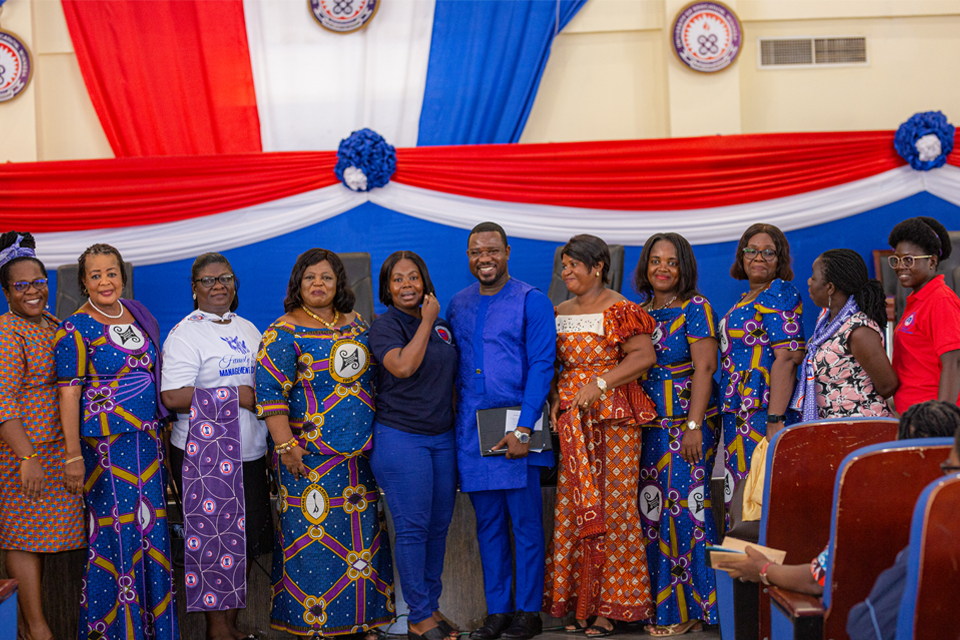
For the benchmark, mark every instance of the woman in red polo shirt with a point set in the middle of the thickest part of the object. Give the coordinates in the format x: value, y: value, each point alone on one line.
x: 926, y: 343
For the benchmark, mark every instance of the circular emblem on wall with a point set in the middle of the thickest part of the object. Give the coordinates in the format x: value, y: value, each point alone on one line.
x: 707, y: 36
x: 349, y: 360
x: 16, y: 66
x: 343, y: 16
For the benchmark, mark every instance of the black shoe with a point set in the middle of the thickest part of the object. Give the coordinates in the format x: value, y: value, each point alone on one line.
x: 526, y: 624
x: 493, y: 627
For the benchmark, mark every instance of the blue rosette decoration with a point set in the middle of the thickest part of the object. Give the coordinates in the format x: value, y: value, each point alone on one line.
x: 365, y: 161
x: 925, y: 140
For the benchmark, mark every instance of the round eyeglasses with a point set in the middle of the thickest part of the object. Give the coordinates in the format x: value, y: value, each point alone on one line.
x: 23, y: 285
x: 226, y: 280
x: 751, y: 254
x: 906, y: 262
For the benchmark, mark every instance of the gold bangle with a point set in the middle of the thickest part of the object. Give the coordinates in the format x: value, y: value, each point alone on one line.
x: 32, y: 455
x: 71, y: 460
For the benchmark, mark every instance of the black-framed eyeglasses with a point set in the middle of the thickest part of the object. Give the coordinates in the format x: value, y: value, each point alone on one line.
x: 907, y: 261
x: 751, y: 254
x: 949, y: 468
x: 226, y: 280
x: 23, y: 285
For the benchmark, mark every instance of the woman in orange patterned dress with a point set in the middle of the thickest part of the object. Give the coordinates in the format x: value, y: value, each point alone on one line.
x: 596, y: 565
x: 38, y: 514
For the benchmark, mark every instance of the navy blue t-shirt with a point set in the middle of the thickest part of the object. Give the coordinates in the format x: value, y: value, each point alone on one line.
x: 422, y: 403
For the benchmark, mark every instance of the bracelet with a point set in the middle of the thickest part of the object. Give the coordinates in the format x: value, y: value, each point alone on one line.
x: 286, y: 446
x: 763, y: 574
x: 32, y: 455
x: 71, y: 460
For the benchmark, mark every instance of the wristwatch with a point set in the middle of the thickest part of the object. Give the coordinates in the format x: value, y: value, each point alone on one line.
x: 773, y: 418
x: 601, y: 384
x: 522, y: 438
x: 692, y: 425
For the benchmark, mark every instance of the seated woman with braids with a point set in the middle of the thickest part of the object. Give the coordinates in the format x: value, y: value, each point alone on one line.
x: 845, y: 372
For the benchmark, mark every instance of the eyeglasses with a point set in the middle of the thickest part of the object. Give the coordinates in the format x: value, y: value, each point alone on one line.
x: 39, y: 283
x: 906, y: 262
x: 751, y: 254
x: 949, y: 468
x: 226, y: 280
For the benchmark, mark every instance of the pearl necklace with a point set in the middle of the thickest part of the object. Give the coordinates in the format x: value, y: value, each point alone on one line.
x: 328, y: 325
x: 104, y: 313
x: 672, y: 300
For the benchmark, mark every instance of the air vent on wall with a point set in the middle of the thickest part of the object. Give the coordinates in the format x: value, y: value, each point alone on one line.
x: 803, y: 52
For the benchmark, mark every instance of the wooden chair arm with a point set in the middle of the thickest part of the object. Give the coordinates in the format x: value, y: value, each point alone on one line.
x: 7, y: 588
x: 797, y: 605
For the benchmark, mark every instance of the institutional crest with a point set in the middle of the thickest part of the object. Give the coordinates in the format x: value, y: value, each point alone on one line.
x: 16, y: 66
x: 343, y: 16
x: 707, y: 36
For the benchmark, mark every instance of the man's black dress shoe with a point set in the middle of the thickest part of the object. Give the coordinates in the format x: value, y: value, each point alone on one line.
x: 526, y: 624
x: 493, y: 627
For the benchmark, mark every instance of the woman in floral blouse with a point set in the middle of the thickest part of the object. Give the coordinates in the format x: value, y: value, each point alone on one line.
x: 846, y: 371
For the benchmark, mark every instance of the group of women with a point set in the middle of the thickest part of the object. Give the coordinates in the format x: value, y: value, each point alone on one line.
x: 83, y: 403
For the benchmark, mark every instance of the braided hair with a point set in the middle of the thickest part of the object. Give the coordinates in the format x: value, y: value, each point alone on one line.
x: 847, y: 271
x: 27, y: 242
x: 930, y: 419
x: 927, y: 233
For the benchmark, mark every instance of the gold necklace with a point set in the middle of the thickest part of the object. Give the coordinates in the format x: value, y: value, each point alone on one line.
x: 328, y: 325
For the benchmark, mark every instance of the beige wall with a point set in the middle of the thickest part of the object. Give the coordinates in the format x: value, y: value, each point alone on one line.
x: 611, y: 75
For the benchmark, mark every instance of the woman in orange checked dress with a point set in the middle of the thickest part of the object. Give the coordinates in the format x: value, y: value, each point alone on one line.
x: 597, y: 565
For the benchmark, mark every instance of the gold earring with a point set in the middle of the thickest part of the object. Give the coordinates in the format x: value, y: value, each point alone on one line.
x: 194, y: 296
x: 598, y: 274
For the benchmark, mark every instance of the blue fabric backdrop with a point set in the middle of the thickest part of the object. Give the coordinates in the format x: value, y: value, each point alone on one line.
x: 486, y: 60
x: 264, y: 268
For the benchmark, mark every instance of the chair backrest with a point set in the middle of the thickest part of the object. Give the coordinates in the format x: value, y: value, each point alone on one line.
x: 68, y: 290
x: 357, y: 266
x: 874, y: 495
x: 929, y: 608
x: 949, y: 268
x: 558, y: 289
x: 802, y: 463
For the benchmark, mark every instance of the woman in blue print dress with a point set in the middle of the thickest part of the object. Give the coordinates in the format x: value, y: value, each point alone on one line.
x: 761, y: 345
x: 332, y: 571
x: 680, y: 444
x: 108, y: 372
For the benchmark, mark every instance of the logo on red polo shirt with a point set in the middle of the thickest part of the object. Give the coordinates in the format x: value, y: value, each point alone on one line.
x: 907, y: 323
x: 444, y: 334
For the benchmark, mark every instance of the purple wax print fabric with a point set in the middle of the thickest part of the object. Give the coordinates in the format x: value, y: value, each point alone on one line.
x: 213, y: 512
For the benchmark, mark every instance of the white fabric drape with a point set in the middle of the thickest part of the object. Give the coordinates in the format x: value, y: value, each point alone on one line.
x: 314, y: 87
x: 153, y: 244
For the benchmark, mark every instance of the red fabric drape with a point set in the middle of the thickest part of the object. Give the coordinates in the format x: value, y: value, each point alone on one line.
x: 124, y: 192
x: 682, y: 173
x: 636, y: 175
x: 167, y: 77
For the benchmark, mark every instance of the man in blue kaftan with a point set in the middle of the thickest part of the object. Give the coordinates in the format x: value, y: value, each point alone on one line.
x: 507, y: 337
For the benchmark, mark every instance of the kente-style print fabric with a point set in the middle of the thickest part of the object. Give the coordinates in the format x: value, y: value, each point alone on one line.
x: 28, y: 391
x: 595, y: 562
x: 675, y: 501
x: 749, y: 334
x: 332, y: 569
x: 215, y: 559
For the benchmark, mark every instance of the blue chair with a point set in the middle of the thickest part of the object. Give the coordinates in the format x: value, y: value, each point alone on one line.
x: 8, y: 609
x: 874, y: 494
x: 802, y: 463
x: 929, y: 607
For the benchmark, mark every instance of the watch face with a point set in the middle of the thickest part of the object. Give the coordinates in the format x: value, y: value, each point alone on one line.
x: 524, y: 438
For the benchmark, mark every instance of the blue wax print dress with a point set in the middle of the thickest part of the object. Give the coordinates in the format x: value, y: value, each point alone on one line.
x: 749, y: 335
x: 675, y: 504
x: 332, y: 571
x: 128, y: 583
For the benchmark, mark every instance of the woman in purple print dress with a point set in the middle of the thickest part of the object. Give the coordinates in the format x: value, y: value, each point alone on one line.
x: 761, y: 344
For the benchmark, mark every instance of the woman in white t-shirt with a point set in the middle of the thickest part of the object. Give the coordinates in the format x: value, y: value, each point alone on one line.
x: 214, y: 348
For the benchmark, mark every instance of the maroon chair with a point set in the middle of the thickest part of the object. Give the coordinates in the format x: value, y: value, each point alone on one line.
x: 874, y: 496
